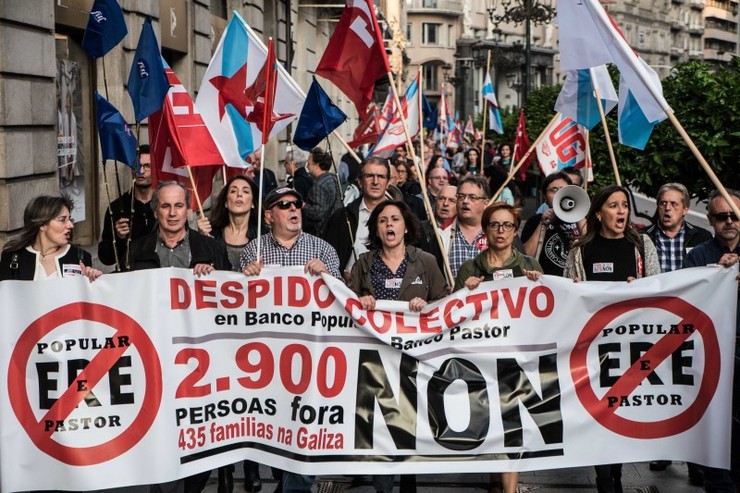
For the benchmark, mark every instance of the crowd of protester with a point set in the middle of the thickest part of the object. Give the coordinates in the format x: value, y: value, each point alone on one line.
x: 377, y: 223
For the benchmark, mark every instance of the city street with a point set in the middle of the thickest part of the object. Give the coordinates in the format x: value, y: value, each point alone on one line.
x: 637, y: 478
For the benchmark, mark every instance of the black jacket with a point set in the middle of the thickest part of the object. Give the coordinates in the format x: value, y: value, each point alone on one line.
x: 142, y: 223
x: 337, y: 232
x: 20, y: 264
x: 203, y: 250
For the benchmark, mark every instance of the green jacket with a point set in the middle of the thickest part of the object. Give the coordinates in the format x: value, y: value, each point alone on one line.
x: 479, y: 267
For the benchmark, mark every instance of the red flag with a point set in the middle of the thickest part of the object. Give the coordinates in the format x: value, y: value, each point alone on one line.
x: 180, y: 139
x: 355, y: 56
x: 368, y: 131
x: 521, y: 142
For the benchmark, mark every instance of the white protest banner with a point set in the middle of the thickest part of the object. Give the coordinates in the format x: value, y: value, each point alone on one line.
x: 150, y: 376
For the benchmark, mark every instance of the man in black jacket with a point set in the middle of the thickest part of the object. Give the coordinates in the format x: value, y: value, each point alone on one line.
x: 672, y: 235
x: 173, y: 243
x: 346, y: 229
x: 127, y: 220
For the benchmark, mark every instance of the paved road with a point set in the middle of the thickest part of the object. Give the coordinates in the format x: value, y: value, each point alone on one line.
x: 637, y: 478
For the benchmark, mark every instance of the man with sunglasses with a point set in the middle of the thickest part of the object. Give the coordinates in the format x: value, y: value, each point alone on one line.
x: 723, y: 249
x: 130, y: 219
x: 287, y: 245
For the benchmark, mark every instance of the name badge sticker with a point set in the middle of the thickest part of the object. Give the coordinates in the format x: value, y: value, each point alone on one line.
x: 603, y: 268
x: 393, y: 283
x: 71, y: 270
x: 503, y: 274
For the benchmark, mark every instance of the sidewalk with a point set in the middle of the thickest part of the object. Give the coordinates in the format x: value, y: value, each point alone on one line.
x: 636, y: 478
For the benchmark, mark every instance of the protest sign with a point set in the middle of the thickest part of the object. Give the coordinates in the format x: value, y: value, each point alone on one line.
x: 149, y: 376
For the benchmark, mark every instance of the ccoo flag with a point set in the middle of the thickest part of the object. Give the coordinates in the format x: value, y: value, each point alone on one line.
x: 147, y: 82
x: 319, y: 118
x: 117, y: 141
x: 577, y: 100
x: 106, y: 27
x: 231, y: 96
x: 494, y: 115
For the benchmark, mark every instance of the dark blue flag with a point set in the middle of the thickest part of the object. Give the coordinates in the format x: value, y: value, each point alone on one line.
x: 106, y: 28
x: 430, y: 115
x: 117, y: 141
x: 147, y: 82
x: 319, y: 117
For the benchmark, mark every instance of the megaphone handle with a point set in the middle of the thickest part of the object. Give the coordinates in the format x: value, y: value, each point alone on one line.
x: 540, y: 241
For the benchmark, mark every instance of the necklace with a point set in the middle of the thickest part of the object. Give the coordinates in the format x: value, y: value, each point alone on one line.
x: 44, y: 255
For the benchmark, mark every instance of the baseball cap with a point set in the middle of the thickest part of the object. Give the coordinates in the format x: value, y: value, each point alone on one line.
x: 276, y: 195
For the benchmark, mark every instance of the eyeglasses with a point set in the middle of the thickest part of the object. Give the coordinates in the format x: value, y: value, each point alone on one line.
x: 145, y: 166
x: 284, y: 205
x: 64, y: 219
x: 473, y: 198
x: 506, y: 226
x: 374, y: 176
x: 724, y: 216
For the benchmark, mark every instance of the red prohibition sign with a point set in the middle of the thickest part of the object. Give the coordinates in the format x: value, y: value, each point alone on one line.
x: 92, y: 374
x: 627, y: 383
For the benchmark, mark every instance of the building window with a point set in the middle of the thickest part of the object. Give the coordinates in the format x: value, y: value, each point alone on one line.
x: 430, y: 33
x: 218, y: 8
x: 409, y: 32
x: 431, y: 77
x: 430, y: 4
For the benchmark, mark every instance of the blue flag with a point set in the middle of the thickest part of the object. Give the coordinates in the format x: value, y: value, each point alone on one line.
x: 106, y: 28
x: 430, y: 116
x: 318, y: 119
x: 117, y: 141
x: 147, y: 82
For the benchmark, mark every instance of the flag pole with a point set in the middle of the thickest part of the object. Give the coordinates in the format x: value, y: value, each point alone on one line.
x: 524, y: 158
x: 346, y: 145
x: 421, y: 118
x: 485, y: 110
x: 195, y: 192
x: 608, y: 137
x: 261, y: 187
x: 703, y: 162
x: 589, y: 164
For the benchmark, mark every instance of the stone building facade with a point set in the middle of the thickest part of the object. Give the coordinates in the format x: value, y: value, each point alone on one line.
x: 48, y: 137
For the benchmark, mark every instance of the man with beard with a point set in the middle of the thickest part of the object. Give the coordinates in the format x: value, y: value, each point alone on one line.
x: 130, y: 219
x: 723, y: 249
x: 556, y: 235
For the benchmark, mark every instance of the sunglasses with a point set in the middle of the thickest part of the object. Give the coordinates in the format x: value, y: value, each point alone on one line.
x: 284, y: 205
x: 723, y: 216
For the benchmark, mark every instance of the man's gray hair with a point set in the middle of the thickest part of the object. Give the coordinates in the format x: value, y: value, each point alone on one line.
x: 676, y: 187
x: 717, y: 193
x: 300, y: 157
x: 161, y: 185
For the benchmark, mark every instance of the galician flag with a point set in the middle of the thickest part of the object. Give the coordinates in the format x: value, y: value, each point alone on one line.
x: 589, y: 38
x: 232, y: 94
x: 494, y: 115
x: 577, y: 98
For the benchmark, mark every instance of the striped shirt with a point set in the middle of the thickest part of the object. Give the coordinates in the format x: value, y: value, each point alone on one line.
x: 305, y: 248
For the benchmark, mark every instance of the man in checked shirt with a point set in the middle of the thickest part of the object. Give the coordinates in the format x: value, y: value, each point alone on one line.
x: 288, y: 245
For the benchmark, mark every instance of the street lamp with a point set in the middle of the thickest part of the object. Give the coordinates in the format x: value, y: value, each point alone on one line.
x: 525, y: 12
